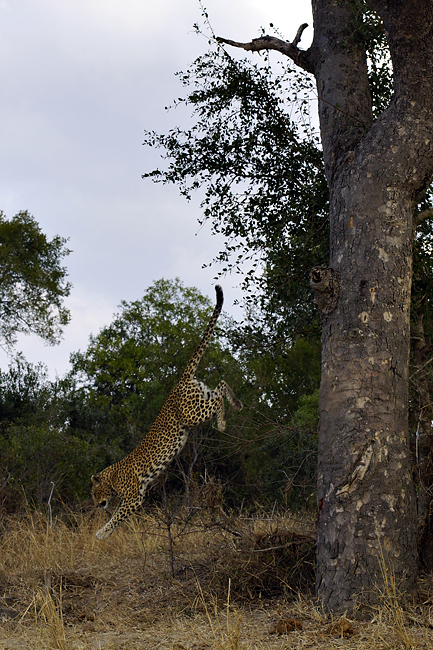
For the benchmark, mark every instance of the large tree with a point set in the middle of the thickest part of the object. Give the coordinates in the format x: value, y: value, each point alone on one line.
x: 376, y: 170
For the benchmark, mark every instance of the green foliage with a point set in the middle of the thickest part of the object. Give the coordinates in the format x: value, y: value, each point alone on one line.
x: 277, y: 440
x: 37, y: 459
x: 24, y: 392
x: 32, y: 281
x: 254, y: 153
x: 277, y: 457
x: 37, y: 450
x: 282, y: 374
x: 307, y: 415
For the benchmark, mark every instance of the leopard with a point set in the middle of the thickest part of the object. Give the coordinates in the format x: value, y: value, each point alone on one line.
x: 189, y: 404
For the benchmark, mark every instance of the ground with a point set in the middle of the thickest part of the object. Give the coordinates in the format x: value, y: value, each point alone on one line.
x: 231, y: 583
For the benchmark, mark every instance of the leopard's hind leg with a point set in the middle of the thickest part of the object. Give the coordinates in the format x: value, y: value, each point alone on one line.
x: 218, y: 394
x: 229, y: 394
x: 210, y: 403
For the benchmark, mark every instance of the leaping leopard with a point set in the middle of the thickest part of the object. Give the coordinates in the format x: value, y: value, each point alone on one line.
x: 189, y: 404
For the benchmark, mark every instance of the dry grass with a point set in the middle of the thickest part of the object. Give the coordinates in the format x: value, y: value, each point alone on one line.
x: 242, y: 585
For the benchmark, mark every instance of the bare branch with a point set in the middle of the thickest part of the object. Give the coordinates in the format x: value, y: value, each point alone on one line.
x: 298, y: 36
x: 300, y: 57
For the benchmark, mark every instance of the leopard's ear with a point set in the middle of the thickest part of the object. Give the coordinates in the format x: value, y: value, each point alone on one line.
x: 95, y: 479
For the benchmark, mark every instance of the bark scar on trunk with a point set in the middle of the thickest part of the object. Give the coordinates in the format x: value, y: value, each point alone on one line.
x: 324, y: 283
x: 358, y: 471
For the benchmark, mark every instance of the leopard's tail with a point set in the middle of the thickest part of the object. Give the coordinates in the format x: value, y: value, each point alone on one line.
x: 196, y: 357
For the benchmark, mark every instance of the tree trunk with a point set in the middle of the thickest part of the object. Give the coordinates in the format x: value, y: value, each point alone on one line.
x: 365, y: 485
x: 364, y: 474
x: 375, y: 170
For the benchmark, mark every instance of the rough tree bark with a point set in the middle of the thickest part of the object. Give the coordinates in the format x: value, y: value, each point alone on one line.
x: 375, y: 170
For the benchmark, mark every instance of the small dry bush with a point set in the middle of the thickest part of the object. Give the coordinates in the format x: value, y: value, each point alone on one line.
x: 263, y: 557
x: 239, y: 583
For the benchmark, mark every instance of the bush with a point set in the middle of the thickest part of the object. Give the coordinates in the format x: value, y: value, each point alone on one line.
x: 40, y: 460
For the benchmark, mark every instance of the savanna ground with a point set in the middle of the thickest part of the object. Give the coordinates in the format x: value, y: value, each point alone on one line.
x: 230, y: 583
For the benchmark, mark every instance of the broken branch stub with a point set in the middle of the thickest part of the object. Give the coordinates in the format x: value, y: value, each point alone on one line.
x: 324, y: 283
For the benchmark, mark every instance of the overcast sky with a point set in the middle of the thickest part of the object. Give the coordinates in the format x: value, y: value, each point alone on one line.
x: 80, y: 81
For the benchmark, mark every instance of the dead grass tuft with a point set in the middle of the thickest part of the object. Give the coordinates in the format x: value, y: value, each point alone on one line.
x: 48, y: 614
x: 392, y: 608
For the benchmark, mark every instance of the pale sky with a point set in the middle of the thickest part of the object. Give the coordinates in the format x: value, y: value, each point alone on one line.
x: 80, y: 81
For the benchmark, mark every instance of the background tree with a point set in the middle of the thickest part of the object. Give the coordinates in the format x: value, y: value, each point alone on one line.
x: 366, y: 426
x: 32, y: 281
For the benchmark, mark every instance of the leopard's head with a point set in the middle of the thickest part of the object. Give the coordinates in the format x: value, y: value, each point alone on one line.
x: 102, y: 490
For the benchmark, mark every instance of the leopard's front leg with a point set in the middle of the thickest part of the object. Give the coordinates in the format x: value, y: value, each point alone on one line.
x: 126, y: 508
